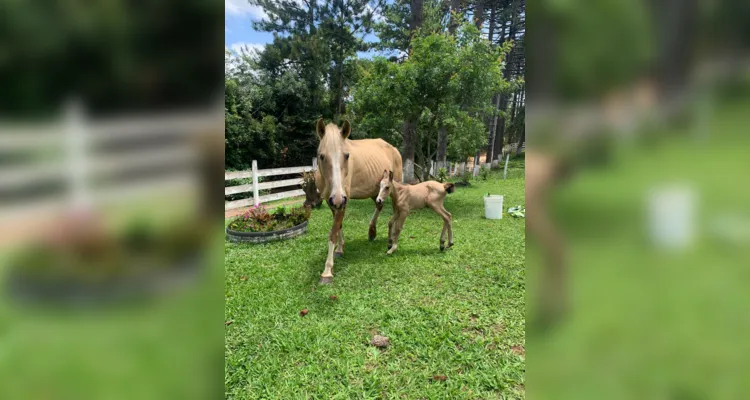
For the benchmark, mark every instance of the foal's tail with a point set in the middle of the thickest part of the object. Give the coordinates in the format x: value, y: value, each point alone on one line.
x: 449, y: 187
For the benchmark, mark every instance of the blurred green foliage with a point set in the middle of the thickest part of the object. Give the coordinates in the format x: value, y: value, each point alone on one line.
x: 115, y: 55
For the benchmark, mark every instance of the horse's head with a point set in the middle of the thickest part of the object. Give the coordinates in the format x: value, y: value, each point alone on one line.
x: 333, y: 160
x: 386, y: 185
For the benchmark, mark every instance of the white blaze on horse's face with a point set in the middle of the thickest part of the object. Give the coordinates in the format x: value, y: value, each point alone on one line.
x: 385, y: 187
x: 333, y: 160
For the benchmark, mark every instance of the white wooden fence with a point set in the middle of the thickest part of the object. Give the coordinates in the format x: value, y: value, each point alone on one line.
x: 92, y: 162
x: 255, y: 187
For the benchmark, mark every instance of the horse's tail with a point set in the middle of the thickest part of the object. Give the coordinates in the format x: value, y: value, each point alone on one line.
x: 449, y: 187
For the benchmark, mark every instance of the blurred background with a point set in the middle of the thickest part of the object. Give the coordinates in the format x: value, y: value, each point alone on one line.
x: 638, y: 214
x: 111, y: 245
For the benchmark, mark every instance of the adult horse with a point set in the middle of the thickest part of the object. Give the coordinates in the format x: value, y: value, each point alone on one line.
x: 350, y: 169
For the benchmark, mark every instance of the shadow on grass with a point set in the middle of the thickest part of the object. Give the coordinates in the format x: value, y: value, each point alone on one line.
x: 359, y: 250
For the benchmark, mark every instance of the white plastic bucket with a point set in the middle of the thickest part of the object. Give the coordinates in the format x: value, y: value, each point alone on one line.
x: 672, y: 216
x: 493, y: 206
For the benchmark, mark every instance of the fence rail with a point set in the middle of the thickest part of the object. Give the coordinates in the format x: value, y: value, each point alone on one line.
x: 75, y: 160
x: 255, y: 187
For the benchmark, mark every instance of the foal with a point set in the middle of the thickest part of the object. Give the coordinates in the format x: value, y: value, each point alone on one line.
x: 412, y: 197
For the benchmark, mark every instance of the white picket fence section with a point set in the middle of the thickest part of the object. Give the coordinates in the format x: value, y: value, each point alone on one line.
x: 255, y: 187
x: 90, y: 160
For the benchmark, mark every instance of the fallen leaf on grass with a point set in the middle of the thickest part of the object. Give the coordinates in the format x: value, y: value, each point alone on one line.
x: 243, y: 278
x: 411, y: 237
x: 380, y: 341
x: 333, y: 297
x: 439, y: 378
x: 518, y: 349
x: 303, y: 313
x: 228, y: 322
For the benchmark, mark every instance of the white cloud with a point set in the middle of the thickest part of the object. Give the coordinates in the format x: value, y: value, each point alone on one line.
x: 252, y: 48
x: 243, y: 8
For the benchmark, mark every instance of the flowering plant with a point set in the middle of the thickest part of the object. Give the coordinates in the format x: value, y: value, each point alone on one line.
x: 258, y: 219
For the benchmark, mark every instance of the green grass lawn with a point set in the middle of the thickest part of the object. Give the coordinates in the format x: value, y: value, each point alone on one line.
x: 458, y: 313
x: 646, y: 324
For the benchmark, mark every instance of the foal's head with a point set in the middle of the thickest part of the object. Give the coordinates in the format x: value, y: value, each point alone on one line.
x: 333, y: 160
x: 386, y: 185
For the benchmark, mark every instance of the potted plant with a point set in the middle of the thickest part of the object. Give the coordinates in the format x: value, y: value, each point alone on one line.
x: 465, y: 178
x: 442, y: 175
x: 312, y: 196
x: 257, y: 225
x: 86, y: 263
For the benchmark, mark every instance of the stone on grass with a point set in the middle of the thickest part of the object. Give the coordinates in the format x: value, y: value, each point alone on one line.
x: 380, y: 341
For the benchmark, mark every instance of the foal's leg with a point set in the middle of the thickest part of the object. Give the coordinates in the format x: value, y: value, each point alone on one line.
x: 450, y: 227
x: 391, y: 221
x: 327, y: 276
x: 374, y: 221
x: 397, y: 226
x: 440, y: 210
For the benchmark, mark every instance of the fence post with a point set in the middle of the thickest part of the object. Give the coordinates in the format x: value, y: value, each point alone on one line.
x: 75, y: 124
x: 256, y: 199
x: 505, y: 171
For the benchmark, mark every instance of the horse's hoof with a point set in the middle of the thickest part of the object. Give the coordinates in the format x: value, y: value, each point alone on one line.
x: 371, y: 235
x: 389, y: 246
x: 338, y: 254
x: 442, y: 247
x: 326, y: 280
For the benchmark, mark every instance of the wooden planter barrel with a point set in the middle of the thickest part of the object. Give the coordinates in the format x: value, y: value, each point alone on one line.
x: 263, y: 237
x: 64, y: 291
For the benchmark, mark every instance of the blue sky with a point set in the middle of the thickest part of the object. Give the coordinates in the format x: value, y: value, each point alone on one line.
x: 238, y: 30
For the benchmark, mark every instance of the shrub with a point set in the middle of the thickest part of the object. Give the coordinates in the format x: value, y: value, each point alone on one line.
x: 466, y: 176
x: 442, y: 175
x: 484, y: 173
x: 312, y: 197
x: 257, y: 219
x: 279, y: 212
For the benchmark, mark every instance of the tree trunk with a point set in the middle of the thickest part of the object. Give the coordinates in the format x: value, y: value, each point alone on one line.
x: 493, y: 151
x: 521, y: 142
x: 416, y: 17
x: 512, y: 114
x: 443, y: 131
x: 500, y: 128
x: 479, y: 14
x: 311, y: 21
x: 490, y: 125
x: 453, y: 24
x: 425, y: 161
x: 442, y: 147
x: 492, y: 21
x: 674, y: 42
x: 311, y: 17
x: 340, y: 94
x: 499, y: 137
x: 407, y: 154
